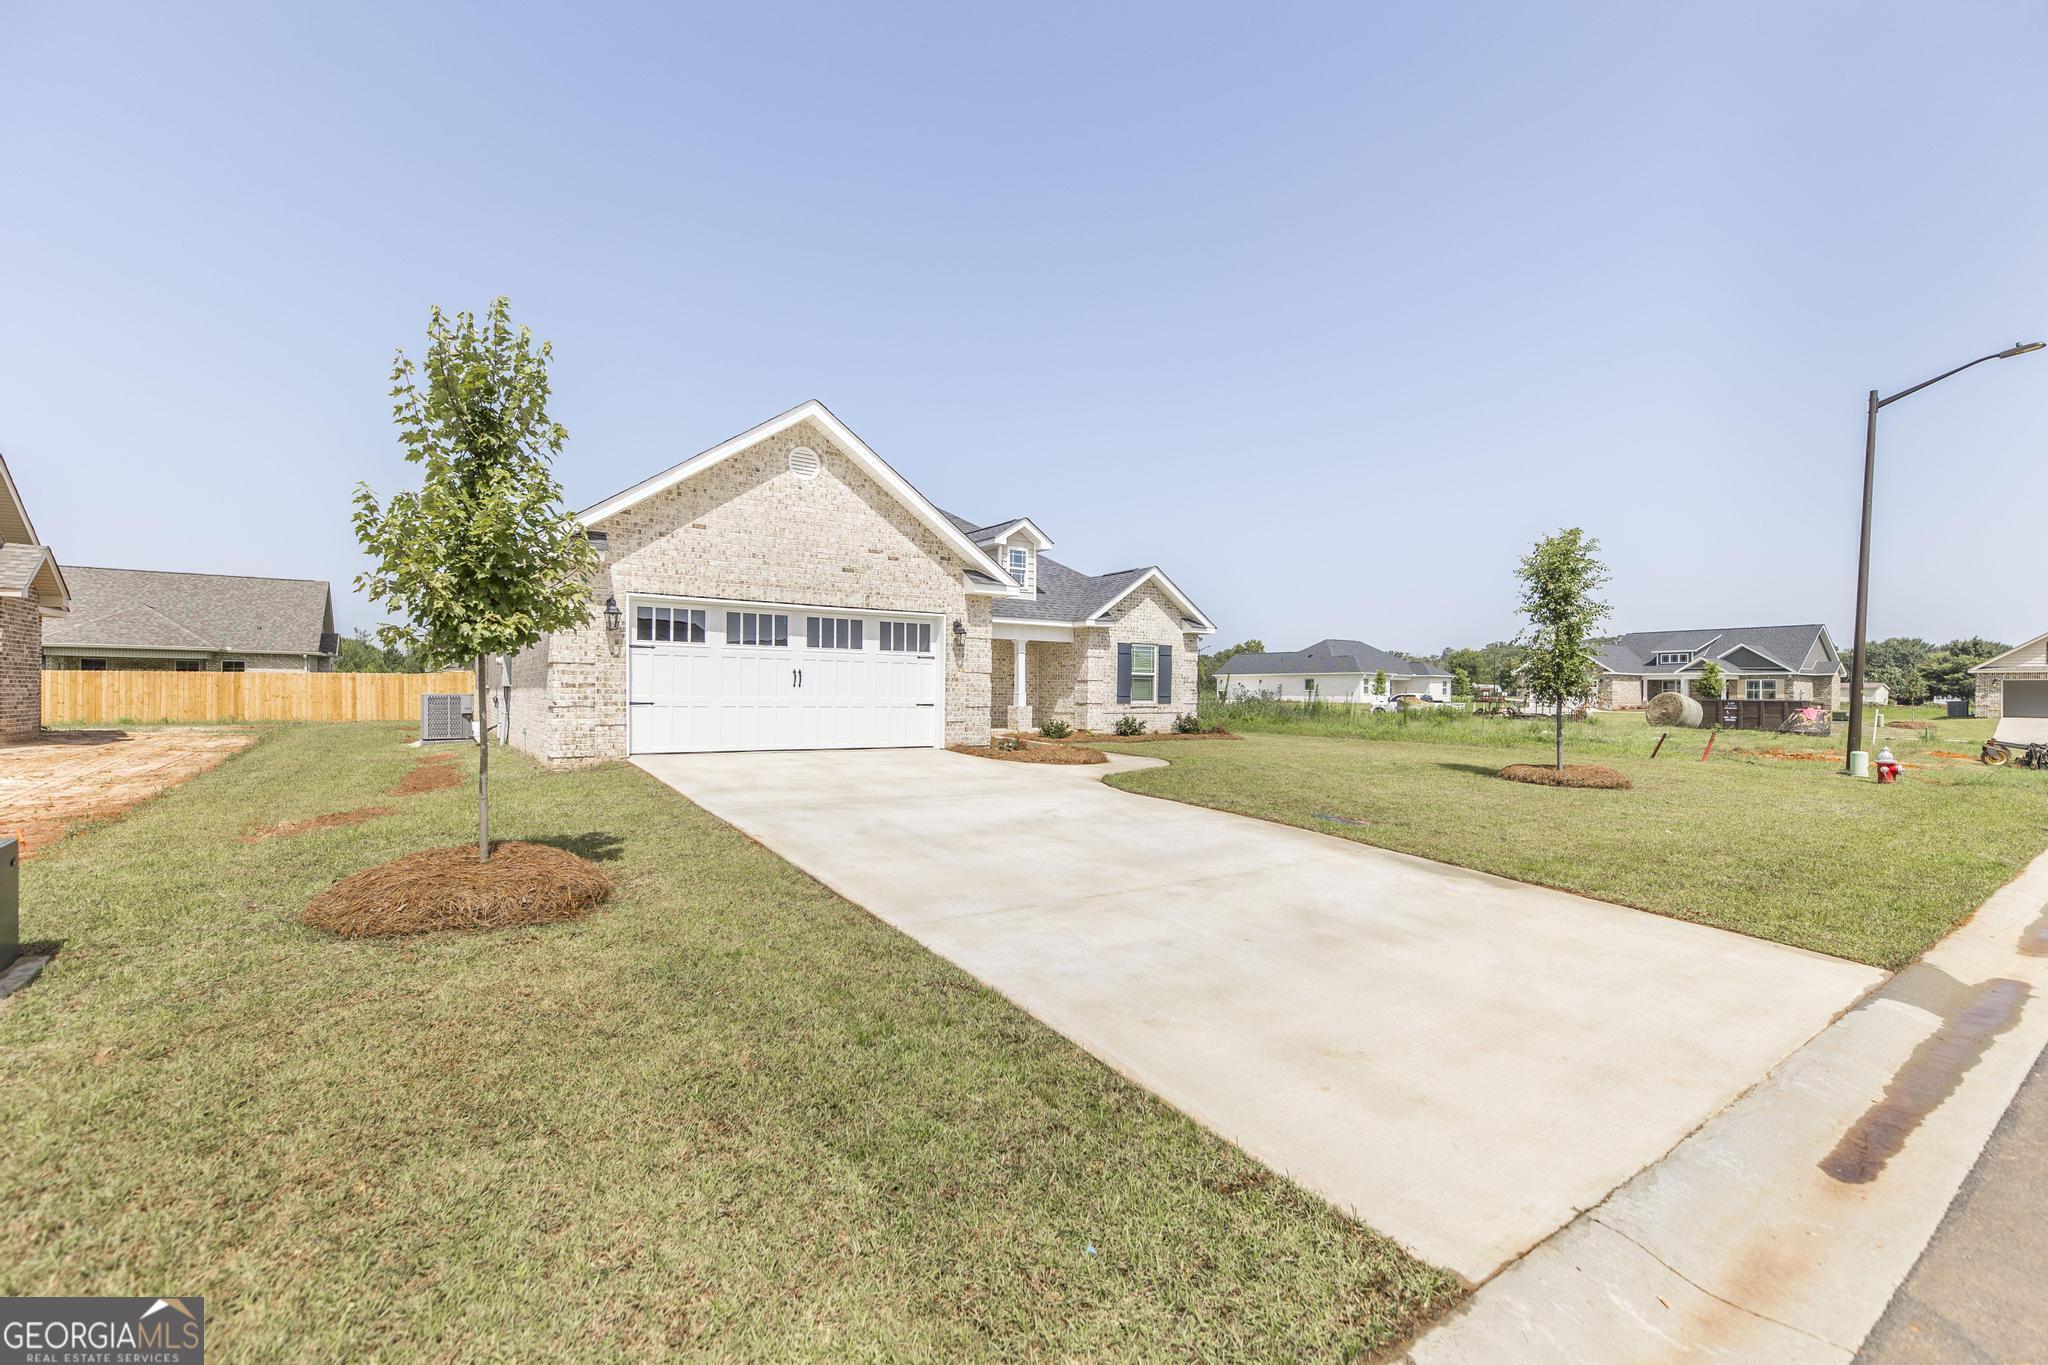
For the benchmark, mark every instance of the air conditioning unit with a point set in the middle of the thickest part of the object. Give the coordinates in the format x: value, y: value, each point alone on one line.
x: 445, y: 716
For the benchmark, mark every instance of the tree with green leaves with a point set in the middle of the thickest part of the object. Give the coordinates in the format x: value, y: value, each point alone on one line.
x: 361, y: 654
x: 481, y: 559
x: 1379, y: 683
x: 1709, y: 685
x: 1946, y: 670
x: 1560, y: 578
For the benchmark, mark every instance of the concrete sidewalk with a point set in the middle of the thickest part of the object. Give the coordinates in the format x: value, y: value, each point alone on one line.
x: 1461, y: 1061
x: 1781, y: 1229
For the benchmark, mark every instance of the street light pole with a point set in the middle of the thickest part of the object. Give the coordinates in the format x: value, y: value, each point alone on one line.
x: 1863, y: 548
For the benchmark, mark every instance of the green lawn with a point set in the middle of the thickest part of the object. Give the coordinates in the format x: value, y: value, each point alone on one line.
x: 1784, y: 850
x: 731, y: 1113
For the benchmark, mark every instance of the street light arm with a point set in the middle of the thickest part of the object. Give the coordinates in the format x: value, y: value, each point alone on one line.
x: 2021, y: 349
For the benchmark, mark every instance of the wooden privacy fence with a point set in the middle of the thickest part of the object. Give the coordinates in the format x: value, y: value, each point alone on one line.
x: 72, y: 696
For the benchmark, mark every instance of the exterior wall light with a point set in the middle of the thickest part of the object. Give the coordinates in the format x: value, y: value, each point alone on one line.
x: 614, y: 620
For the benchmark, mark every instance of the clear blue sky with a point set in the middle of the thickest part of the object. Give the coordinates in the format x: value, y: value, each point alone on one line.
x: 1330, y: 310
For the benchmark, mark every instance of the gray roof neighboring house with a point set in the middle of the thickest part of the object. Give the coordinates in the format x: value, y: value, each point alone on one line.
x: 1333, y: 656
x: 1064, y: 594
x: 1797, y: 649
x: 192, y: 613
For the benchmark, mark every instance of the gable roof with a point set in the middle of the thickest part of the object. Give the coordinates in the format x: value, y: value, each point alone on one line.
x: 1333, y: 656
x: 948, y: 529
x: 1792, y: 648
x: 31, y: 571
x: 194, y: 613
x: 2032, y: 649
x: 1068, y: 597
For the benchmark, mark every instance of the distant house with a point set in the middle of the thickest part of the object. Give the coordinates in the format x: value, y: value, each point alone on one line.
x: 193, y: 623
x: 1876, y: 694
x: 1768, y: 663
x: 2014, y: 683
x: 1331, y: 670
x: 32, y: 591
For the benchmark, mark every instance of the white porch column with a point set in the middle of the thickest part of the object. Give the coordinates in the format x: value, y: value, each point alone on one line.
x: 1020, y: 698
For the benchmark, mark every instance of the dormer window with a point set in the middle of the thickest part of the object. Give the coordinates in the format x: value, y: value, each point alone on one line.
x: 1674, y: 657
x: 1020, y: 559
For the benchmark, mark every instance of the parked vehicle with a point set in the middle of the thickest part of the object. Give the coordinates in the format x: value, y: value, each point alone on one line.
x: 1410, y: 699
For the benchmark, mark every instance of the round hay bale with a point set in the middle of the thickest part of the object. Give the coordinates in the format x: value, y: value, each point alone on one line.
x: 447, y: 888
x: 1675, y: 708
x: 1572, y: 775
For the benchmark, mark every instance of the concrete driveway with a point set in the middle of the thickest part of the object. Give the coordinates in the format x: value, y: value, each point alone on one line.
x: 1460, y: 1061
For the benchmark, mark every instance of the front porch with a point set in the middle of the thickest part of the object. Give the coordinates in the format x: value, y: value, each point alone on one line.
x: 1036, y: 674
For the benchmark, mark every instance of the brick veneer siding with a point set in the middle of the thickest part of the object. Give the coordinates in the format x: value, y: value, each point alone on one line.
x: 749, y: 530
x: 1990, y: 699
x: 21, y: 669
x: 1150, y: 617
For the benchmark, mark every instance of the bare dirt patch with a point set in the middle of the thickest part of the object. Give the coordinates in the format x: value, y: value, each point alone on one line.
x: 66, y: 779
x: 1572, y: 775
x: 447, y: 888
x: 433, y: 773
x: 1058, y: 754
x: 338, y: 820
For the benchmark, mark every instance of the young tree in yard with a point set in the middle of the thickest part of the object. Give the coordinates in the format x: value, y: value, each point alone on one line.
x: 1559, y: 577
x: 480, y: 559
x: 1379, y: 683
x: 1709, y: 685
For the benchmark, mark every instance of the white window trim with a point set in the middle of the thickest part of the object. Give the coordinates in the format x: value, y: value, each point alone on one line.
x: 1018, y: 562
x: 1759, y: 684
x: 1150, y: 675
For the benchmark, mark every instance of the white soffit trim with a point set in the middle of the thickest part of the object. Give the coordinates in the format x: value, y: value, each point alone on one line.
x: 1998, y: 660
x: 877, y: 468
x: 1156, y: 574
x: 14, y: 497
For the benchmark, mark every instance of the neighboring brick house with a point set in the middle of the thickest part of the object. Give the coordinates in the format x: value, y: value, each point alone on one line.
x: 787, y: 589
x: 1794, y: 663
x: 193, y: 623
x: 2014, y: 683
x: 32, y: 590
x: 1339, y: 670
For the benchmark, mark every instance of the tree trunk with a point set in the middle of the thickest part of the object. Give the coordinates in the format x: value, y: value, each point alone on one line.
x: 483, y: 766
x: 1560, y: 734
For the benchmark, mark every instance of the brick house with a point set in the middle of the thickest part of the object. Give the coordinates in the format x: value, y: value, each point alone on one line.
x: 2014, y: 683
x: 787, y: 589
x: 32, y: 590
x: 193, y: 623
x: 1793, y: 663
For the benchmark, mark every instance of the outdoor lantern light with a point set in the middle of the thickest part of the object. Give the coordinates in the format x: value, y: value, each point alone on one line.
x: 613, y: 620
x: 959, y: 627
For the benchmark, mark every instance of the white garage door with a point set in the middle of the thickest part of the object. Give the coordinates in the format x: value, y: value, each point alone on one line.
x: 714, y: 676
x: 2026, y: 699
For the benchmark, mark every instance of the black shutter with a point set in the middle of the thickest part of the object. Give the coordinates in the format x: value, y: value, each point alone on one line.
x: 1123, y: 672
x: 1164, y: 688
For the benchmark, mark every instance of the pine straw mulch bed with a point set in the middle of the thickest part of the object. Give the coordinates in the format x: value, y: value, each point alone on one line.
x: 1046, y: 752
x: 447, y: 888
x: 1087, y: 737
x: 1573, y: 775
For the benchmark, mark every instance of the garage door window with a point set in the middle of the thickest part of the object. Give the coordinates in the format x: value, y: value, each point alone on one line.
x: 905, y: 637
x: 834, y: 632
x: 669, y: 625
x: 757, y: 628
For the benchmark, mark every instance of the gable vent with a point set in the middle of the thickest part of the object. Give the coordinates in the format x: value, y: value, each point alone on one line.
x: 804, y: 463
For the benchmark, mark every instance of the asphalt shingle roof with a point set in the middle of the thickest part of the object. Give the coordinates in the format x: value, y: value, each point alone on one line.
x: 19, y: 564
x: 1633, y: 652
x: 1333, y: 656
x: 1064, y: 594
x: 149, y: 609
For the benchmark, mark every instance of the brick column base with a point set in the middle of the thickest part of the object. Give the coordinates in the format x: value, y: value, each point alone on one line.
x: 1020, y: 718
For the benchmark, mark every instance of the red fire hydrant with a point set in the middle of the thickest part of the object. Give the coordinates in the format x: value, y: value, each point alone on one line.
x: 1887, y: 766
